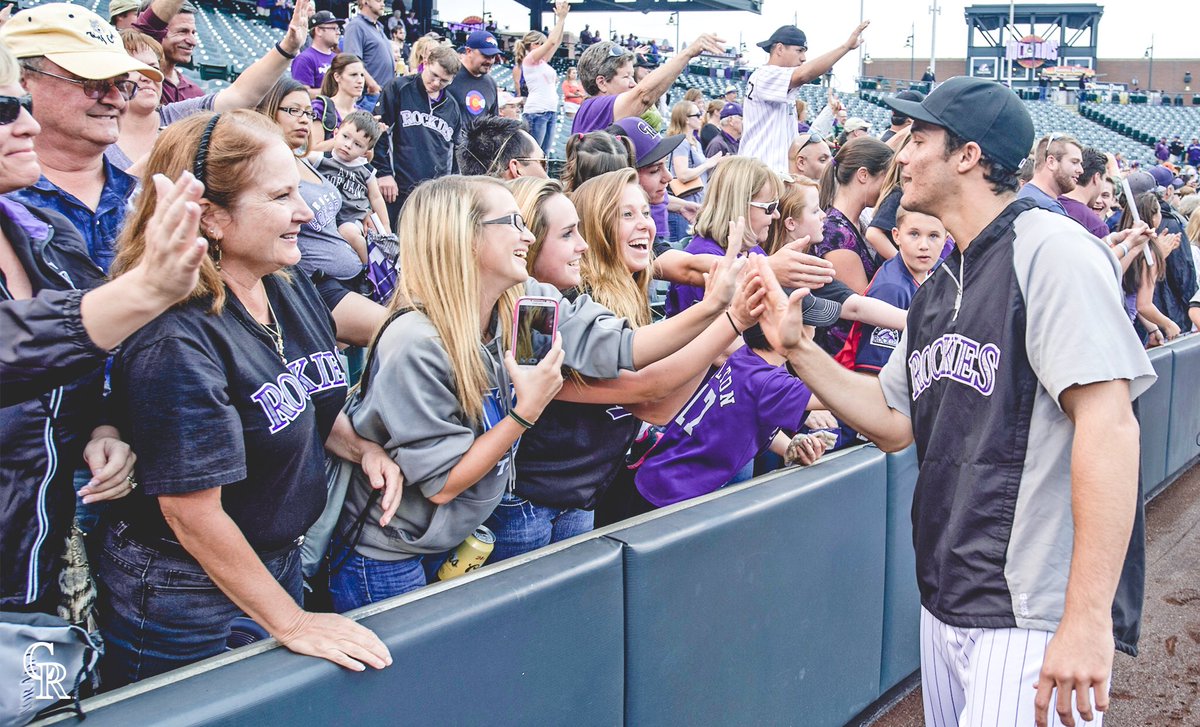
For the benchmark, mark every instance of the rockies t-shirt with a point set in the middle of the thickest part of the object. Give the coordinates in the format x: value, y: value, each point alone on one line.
x: 595, y: 114
x: 730, y: 419
x: 206, y: 401
x: 476, y: 96
x: 868, y: 347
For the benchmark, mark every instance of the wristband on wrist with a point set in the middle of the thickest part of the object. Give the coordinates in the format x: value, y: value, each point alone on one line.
x: 732, y: 324
x: 1152, y: 331
x: 521, y: 420
x: 1124, y: 249
x: 285, y: 54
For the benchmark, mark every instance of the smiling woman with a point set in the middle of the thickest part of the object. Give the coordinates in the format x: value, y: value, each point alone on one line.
x: 232, y: 399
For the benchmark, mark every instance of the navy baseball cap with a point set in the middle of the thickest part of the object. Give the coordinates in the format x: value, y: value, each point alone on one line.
x: 1162, y: 176
x: 977, y: 110
x: 484, y: 42
x: 731, y: 109
x: 648, y: 146
x: 786, y: 34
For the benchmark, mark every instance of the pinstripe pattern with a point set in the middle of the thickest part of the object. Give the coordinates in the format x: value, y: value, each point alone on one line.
x: 982, y: 677
x: 769, y: 116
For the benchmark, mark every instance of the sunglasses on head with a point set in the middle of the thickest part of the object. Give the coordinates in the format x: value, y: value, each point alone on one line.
x: 810, y: 138
x: 768, y: 207
x: 616, y: 51
x: 95, y: 88
x: 10, y: 107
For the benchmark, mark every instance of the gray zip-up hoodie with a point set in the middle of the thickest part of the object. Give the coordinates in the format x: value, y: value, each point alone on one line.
x: 410, y: 409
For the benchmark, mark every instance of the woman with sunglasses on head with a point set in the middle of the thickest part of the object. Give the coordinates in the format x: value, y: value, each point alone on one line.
x: 231, y: 400
x: 606, y: 71
x: 144, y: 117
x: 688, y: 164
x: 61, y: 320
x: 566, y: 462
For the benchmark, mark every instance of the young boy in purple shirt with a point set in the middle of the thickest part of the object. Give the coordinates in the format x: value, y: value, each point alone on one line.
x: 921, y: 239
x: 731, y: 419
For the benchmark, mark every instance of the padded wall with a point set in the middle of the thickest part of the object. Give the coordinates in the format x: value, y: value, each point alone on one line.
x: 901, y: 598
x: 1183, y: 441
x: 761, y: 606
x: 538, y: 644
x: 1154, y: 417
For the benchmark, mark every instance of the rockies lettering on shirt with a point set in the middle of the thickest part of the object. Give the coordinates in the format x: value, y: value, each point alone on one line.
x: 731, y: 419
x: 206, y: 402
x: 769, y: 116
x: 419, y: 144
x: 980, y: 375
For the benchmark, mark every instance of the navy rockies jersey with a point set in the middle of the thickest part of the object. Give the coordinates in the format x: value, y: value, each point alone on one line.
x: 979, y: 371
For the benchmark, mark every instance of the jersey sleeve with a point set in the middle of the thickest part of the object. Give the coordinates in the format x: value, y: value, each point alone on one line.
x: 770, y: 84
x: 1077, y: 331
x: 186, y: 431
x: 893, y: 378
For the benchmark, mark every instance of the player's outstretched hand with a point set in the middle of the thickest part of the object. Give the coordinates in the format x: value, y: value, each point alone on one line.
x: 782, y: 318
x: 1078, y: 663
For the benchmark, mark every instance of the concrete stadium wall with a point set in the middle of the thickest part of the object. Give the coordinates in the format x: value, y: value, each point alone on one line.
x: 786, y: 600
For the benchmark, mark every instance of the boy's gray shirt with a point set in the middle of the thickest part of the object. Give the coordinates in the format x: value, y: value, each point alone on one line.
x: 411, y: 410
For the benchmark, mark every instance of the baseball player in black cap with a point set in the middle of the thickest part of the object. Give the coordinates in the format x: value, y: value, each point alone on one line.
x: 1014, y: 377
x: 771, y: 93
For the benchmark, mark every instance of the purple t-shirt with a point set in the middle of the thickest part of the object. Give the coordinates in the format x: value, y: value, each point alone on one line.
x: 681, y: 297
x: 595, y: 114
x: 658, y: 213
x: 309, y: 67
x: 841, y: 234
x: 1082, y: 214
x: 729, y: 420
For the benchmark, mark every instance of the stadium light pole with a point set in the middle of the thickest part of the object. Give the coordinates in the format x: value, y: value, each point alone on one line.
x: 1150, y: 74
x: 934, y: 11
x: 911, y: 44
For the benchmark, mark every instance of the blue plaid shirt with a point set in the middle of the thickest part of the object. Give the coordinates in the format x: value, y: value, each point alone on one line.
x: 99, y: 228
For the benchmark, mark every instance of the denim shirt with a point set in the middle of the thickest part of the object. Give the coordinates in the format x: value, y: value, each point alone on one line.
x: 99, y: 228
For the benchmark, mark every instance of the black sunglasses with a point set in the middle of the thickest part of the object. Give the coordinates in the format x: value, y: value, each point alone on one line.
x: 810, y: 138
x: 10, y: 107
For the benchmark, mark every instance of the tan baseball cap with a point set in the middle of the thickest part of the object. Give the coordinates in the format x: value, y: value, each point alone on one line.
x: 117, y: 7
x: 73, y: 37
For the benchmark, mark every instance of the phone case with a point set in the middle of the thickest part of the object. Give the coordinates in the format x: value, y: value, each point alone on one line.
x: 535, y: 300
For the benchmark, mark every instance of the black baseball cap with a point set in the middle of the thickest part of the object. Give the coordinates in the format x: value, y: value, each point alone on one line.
x: 323, y: 17
x: 786, y: 34
x: 648, y: 145
x: 978, y: 110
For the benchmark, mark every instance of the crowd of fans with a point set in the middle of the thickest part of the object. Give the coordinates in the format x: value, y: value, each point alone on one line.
x: 186, y: 305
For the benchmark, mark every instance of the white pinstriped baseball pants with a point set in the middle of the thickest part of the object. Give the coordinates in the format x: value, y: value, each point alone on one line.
x: 983, y: 677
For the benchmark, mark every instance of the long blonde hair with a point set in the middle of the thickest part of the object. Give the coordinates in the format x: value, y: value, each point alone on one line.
x: 731, y: 186
x: 531, y: 194
x: 525, y: 44
x: 679, y: 121
x: 1193, y: 228
x: 234, y: 148
x: 419, y: 54
x: 439, y: 231
x: 605, y: 277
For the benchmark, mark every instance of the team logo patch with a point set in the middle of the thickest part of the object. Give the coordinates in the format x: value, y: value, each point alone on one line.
x: 885, y: 337
x: 476, y: 103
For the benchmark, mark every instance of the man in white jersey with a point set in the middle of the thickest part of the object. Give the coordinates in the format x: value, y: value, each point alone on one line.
x: 771, y: 93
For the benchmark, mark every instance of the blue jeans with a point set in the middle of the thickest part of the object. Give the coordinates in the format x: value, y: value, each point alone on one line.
x: 356, y: 580
x: 677, y: 226
x: 368, y: 101
x: 541, y: 128
x: 521, y: 526
x: 159, y: 610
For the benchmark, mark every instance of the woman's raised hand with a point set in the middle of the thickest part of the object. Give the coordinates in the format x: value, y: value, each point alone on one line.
x: 536, y: 386
x: 170, y: 267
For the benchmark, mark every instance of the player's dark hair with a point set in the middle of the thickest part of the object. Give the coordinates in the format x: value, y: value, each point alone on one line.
x: 1000, y: 178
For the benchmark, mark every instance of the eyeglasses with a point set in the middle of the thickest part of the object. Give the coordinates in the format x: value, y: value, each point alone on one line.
x: 534, y: 160
x: 299, y: 112
x: 515, y: 219
x: 694, y: 116
x: 768, y: 207
x: 10, y: 107
x: 93, y: 88
x: 334, y: 27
